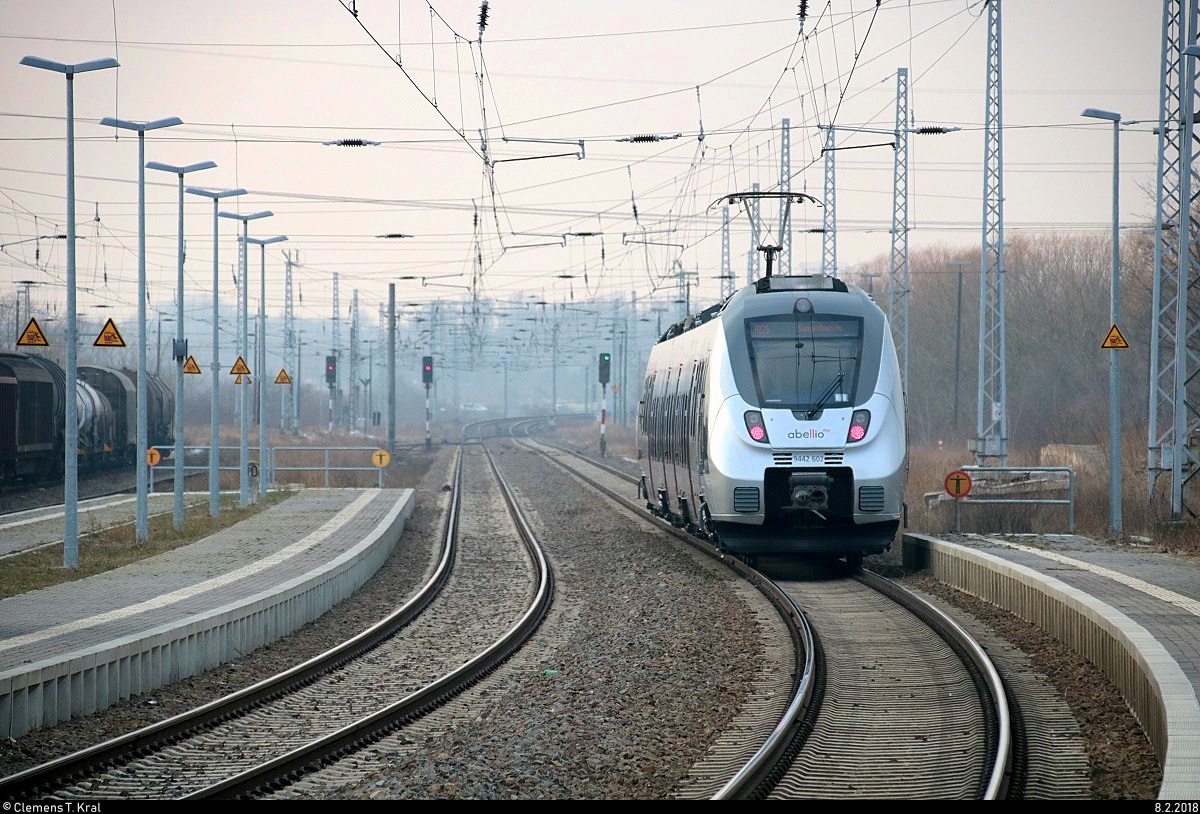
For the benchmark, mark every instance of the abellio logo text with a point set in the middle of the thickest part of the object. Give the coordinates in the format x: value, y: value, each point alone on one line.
x: 807, y: 433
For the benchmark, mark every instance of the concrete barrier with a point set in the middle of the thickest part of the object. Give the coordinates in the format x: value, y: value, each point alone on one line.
x: 1158, y: 693
x: 50, y: 691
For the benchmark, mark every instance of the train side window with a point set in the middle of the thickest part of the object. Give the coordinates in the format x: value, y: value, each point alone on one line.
x: 658, y: 428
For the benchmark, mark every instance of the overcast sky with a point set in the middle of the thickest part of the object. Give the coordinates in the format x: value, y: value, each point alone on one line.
x: 261, y: 85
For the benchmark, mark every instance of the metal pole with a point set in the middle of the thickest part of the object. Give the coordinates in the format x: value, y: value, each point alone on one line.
x: 391, y: 377
x: 1114, y: 365
x: 428, y: 438
x: 244, y: 448
x: 295, y: 418
x: 958, y: 347
x: 71, y: 426
x: 214, y: 449
x: 143, y: 520
x: 1182, y: 457
x: 177, y: 350
x: 263, y: 472
x: 960, y: 264
x: 71, y: 420
x: 603, y: 414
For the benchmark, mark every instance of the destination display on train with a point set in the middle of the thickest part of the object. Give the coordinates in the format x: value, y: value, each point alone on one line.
x: 799, y: 328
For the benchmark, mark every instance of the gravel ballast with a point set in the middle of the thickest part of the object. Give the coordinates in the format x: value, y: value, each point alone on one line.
x: 628, y: 682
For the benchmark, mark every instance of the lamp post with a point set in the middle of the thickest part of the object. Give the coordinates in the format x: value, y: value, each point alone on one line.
x: 71, y: 423
x: 261, y: 362
x: 142, y: 526
x: 1114, y: 358
x: 214, y: 450
x: 244, y: 455
x: 180, y: 348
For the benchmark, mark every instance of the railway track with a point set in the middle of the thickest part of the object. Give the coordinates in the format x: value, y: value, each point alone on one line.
x: 25, y: 497
x: 775, y: 742
x: 897, y: 688
x: 269, y: 734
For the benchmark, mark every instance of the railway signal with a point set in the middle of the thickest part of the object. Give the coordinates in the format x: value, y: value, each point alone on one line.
x: 605, y: 370
x: 427, y: 379
x: 331, y: 370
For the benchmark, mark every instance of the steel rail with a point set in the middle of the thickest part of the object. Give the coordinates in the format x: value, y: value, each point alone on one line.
x: 999, y: 768
x: 286, y: 768
x: 125, y: 747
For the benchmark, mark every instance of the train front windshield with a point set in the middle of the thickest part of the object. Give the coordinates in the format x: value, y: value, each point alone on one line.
x: 805, y: 362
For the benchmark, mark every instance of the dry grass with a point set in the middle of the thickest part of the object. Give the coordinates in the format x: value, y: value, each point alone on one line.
x: 103, y: 549
x: 584, y: 434
x: 1142, y: 518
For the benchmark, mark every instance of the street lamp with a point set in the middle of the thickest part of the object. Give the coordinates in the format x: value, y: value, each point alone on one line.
x: 244, y: 457
x: 1114, y: 359
x: 71, y: 422
x: 261, y: 362
x: 214, y: 450
x: 179, y: 351
x: 142, y: 525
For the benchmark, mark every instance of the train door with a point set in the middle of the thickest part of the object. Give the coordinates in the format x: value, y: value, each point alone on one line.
x: 691, y: 407
x: 678, y: 479
x: 646, y: 426
x: 702, y: 423
x: 663, y: 410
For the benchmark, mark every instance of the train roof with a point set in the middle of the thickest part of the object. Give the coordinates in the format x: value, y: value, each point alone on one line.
x: 765, y: 285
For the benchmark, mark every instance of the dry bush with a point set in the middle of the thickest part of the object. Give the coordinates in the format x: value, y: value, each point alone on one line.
x: 584, y: 435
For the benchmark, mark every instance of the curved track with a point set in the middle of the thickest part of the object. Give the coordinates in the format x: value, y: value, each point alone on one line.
x: 274, y: 731
x: 869, y: 725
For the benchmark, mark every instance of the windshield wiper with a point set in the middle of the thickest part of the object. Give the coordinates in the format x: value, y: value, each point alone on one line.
x: 825, y: 397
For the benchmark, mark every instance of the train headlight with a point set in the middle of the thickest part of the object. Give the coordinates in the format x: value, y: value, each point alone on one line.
x: 756, y: 427
x: 858, y: 426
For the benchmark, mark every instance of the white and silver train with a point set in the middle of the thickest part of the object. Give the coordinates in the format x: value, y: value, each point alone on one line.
x: 774, y: 423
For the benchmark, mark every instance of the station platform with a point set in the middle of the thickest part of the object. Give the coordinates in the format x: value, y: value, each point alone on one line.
x: 1134, y: 613
x: 74, y: 648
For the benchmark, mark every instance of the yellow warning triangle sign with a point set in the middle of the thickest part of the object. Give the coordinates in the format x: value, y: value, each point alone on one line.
x: 32, y: 335
x: 239, y: 368
x: 190, y: 365
x: 109, y: 336
x: 1115, y: 340
x: 283, y: 377
x: 242, y: 379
